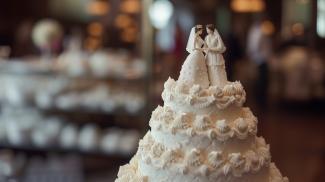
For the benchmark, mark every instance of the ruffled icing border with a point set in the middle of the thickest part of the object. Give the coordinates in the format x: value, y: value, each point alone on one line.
x: 199, y: 162
x: 165, y: 119
x: 194, y: 96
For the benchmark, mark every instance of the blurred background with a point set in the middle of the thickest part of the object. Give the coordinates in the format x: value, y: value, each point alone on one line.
x: 79, y: 79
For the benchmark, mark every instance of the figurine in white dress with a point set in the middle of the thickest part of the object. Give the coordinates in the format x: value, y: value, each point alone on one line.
x: 194, y: 69
x: 215, y: 61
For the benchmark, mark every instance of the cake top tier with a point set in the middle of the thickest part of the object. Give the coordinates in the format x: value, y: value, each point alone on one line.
x: 202, y: 85
x: 193, y: 98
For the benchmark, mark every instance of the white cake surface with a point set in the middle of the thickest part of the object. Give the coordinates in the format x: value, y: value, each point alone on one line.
x: 201, y: 134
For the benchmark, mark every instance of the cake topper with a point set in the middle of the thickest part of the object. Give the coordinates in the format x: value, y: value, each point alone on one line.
x: 209, y: 70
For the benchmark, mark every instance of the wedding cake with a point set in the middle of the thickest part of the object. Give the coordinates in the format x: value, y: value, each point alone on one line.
x: 202, y: 133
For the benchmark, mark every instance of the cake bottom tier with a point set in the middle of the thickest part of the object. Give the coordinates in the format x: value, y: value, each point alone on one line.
x: 142, y: 172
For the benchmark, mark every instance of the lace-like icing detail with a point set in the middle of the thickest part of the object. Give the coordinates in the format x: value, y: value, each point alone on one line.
x: 236, y: 162
x: 222, y: 126
x: 232, y: 93
x: 129, y: 172
x: 194, y: 158
x: 170, y: 157
x: 215, y: 159
x: 202, y: 123
x: 200, y: 162
x: 190, y: 124
x: 157, y: 150
x: 253, y: 161
x: 196, y: 97
x: 146, y: 143
x: 164, y: 114
x: 181, y: 122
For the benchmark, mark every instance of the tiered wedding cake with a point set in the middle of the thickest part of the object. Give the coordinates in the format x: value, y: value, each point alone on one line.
x: 202, y: 133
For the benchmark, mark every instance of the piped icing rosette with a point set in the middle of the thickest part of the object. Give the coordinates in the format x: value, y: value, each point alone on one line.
x: 232, y: 93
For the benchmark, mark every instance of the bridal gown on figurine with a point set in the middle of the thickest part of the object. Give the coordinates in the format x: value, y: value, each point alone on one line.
x: 215, y: 60
x: 194, y: 70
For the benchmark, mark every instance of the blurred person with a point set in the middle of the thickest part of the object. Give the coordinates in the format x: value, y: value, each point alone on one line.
x: 317, y: 76
x: 294, y: 63
x: 258, y: 51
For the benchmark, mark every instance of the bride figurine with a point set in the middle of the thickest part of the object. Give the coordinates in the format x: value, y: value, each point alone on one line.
x: 194, y: 70
x: 214, y: 58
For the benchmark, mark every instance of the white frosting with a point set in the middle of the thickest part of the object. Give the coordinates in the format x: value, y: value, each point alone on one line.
x: 160, y: 156
x: 201, y: 134
x: 130, y: 172
x: 207, y: 141
x: 211, y: 127
x: 166, y: 175
x: 192, y: 98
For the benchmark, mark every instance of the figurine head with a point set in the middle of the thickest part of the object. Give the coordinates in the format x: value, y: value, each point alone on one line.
x: 199, y: 29
x: 210, y: 28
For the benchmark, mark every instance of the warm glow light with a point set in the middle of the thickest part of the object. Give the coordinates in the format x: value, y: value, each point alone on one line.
x: 123, y: 21
x: 129, y: 35
x: 247, y: 6
x: 95, y: 29
x: 302, y: 1
x: 47, y: 34
x: 130, y: 6
x: 267, y: 27
x: 92, y: 43
x: 98, y: 8
x: 160, y: 12
x: 297, y: 29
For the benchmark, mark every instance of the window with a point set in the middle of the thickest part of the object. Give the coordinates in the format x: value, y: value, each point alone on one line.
x: 321, y: 18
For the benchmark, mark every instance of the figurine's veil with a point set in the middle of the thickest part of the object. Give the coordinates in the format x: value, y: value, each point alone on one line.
x: 221, y: 45
x: 191, y: 41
